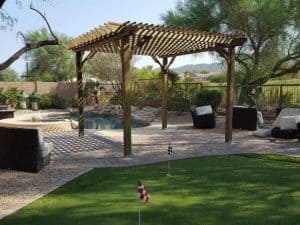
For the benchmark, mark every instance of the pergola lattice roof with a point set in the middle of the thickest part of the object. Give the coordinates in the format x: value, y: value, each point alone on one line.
x: 152, y: 40
x: 158, y: 41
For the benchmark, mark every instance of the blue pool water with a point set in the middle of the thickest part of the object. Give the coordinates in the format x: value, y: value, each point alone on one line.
x: 108, y: 122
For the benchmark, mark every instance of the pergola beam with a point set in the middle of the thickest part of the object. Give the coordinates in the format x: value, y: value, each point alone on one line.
x: 164, y: 66
x: 79, y: 65
x: 229, y: 94
x: 126, y: 55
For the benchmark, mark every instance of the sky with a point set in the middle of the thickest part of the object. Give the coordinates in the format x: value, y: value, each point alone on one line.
x: 75, y: 17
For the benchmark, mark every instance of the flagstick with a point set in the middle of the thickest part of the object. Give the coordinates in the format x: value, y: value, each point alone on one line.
x: 169, y: 168
x: 139, y: 215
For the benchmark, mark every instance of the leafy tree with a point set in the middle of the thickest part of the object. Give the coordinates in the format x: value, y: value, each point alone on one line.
x: 204, y: 71
x: 107, y: 68
x: 271, y: 28
x: 217, y: 78
x: 50, y: 63
x: 8, y: 75
x: 173, y: 76
x: 147, y: 72
x: 92, y: 88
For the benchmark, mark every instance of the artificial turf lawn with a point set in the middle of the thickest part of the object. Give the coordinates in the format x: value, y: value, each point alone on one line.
x: 209, y: 190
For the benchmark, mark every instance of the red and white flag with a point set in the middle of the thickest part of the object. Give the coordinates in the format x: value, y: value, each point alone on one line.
x: 142, y: 193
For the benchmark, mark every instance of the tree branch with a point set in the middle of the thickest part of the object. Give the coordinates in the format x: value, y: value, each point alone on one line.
x: 46, y: 21
x: 29, y: 46
x: 1, y: 3
x: 280, y: 62
x: 280, y: 72
x: 277, y: 71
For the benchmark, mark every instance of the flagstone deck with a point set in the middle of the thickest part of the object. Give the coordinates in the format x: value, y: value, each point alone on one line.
x: 73, y: 156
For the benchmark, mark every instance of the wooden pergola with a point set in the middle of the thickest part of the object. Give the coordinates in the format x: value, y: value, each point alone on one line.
x: 163, y: 44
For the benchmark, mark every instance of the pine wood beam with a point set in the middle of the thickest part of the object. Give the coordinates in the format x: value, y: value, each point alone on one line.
x: 126, y: 55
x: 229, y: 94
x: 165, y: 93
x: 79, y: 65
x: 164, y: 66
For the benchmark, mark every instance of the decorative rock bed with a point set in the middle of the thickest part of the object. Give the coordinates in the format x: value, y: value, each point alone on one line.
x: 147, y: 114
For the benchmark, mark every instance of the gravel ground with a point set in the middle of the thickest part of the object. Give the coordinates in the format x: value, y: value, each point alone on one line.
x: 17, y: 189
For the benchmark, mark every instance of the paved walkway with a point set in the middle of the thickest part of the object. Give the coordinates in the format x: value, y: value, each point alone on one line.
x: 73, y: 156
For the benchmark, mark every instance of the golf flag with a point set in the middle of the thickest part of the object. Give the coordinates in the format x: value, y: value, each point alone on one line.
x: 142, y: 193
x: 170, y: 149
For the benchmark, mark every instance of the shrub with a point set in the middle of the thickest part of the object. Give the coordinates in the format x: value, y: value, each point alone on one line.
x: 73, y: 103
x: 116, y: 99
x: 217, y: 78
x: 208, y: 97
x: 45, y: 102
x: 59, y: 103
x: 177, y: 100
x: 2, y: 97
x: 11, y: 96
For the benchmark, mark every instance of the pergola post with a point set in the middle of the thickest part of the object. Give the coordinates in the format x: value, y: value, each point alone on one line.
x: 229, y: 94
x: 126, y: 55
x: 164, y: 71
x: 80, y: 92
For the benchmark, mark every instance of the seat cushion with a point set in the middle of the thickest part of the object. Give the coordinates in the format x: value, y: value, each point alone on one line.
x: 289, y: 122
x: 285, y: 112
x: 203, y: 110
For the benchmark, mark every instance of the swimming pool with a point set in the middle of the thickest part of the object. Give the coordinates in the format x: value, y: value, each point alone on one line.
x: 108, y: 122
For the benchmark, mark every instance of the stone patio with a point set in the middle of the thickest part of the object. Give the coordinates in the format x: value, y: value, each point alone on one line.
x: 73, y: 156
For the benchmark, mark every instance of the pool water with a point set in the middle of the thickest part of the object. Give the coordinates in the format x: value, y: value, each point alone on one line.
x: 108, y: 123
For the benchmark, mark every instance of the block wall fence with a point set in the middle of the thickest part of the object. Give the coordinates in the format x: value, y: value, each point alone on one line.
x: 64, y: 90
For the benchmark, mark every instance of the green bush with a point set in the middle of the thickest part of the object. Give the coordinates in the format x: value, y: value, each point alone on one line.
x: 45, y: 102
x: 2, y: 97
x: 11, y: 96
x: 73, y: 102
x: 177, y: 100
x: 59, y: 103
x: 217, y: 78
x: 116, y: 99
x: 208, y: 97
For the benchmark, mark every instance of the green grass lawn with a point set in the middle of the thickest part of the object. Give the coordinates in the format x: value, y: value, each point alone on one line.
x: 244, y: 190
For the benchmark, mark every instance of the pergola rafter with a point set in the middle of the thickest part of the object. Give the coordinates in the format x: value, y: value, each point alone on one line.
x: 159, y: 42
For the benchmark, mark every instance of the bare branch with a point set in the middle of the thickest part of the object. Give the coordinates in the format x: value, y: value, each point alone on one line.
x: 45, y: 19
x: 28, y: 47
x: 291, y: 45
x: 280, y: 62
x: 1, y: 3
x: 278, y: 71
x: 241, y: 62
x: 20, y: 33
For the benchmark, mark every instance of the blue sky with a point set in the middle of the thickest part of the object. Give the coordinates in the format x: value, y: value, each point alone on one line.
x: 74, y: 17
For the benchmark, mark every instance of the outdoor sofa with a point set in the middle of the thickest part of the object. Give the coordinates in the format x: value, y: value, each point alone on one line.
x: 203, y: 117
x: 23, y: 149
x: 287, y: 124
x: 244, y: 118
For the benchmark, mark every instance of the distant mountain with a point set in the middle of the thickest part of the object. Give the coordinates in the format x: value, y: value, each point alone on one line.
x: 213, y: 67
